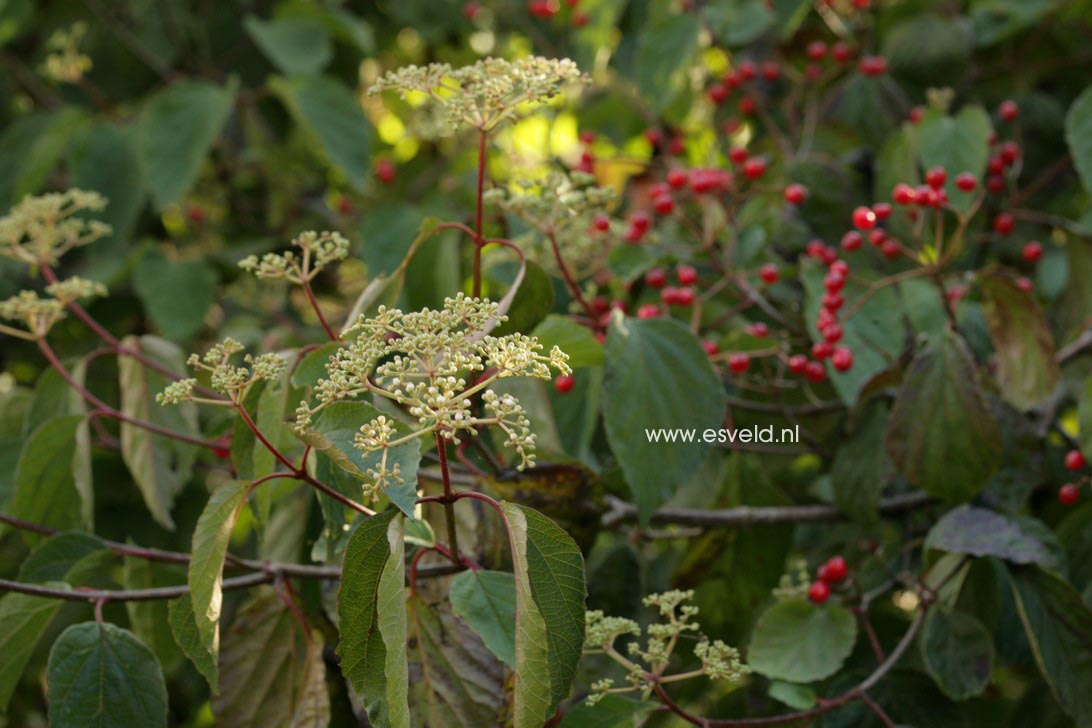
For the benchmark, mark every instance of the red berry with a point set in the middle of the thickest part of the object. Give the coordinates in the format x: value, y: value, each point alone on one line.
x: 564, y: 385
x: 864, y: 218
x: 836, y: 570
x: 813, y: 71
x: 633, y: 235
x: 656, y: 277
x: 669, y: 296
x: 1069, y: 494
x: 817, y: 50
x: 840, y: 267
x: 754, y: 167
x: 196, y: 214
x: 1003, y: 223
x: 818, y: 592
x: 926, y: 196
x: 601, y: 223
x: 833, y: 333
x: 797, y: 363
x: 1074, y: 460
x: 1033, y: 251
x: 543, y: 9
x: 851, y: 241
x: 995, y: 183
x: 471, y: 10
x: 842, y: 359
x: 580, y: 19
x: 686, y: 275
x: 710, y: 347
x: 995, y: 165
x: 822, y: 349
x: 1008, y: 110
x: 882, y: 210
x: 222, y: 452
x: 641, y: 221
x: 833, y: 301
x: 384, y: 170
x: 718, y: 93
x: 815, y: 249
x: 834, y: 282
x: 648, y: 311
x: 684, y: 296
x: 677, y: 178
x: 344, y: 205
x: 600, y: 304
x: 966, y: 182
x: 936, y: 177
x: 877, y: 236
x: 769, y: 273
x: 795, y: 194
x: 663, y: 204
x: 890, y: 248
x: 814, y: 371
x: 873, y: 65
x: 1010, y: 152
x: 1025, y: 284
x: 758, y: 329
x: 771, y: 71
x: 653, y: 136
x: 841, y: 52
x: 903, y: 194
x: 748, y: 70
x: 915, y: 115
x: 676, y: 146
x: 738, y: 362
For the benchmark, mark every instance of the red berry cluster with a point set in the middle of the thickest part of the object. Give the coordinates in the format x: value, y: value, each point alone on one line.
x: 1070, y: 493
x: 830, y: 573
x: 546, y: 9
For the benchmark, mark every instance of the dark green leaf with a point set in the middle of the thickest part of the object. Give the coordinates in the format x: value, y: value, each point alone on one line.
x: 861, y: 467
x: 486, y: 600
x: 981, y: 532
x: 184, y: 629
x: 665, y: 48
x: 45, y: 491
x: 23, y: 619
x: 1078, y: 134
x: 612, y: 711
x: 958, y: 653
x: 294, y: 45
x: 150, y: 620
x: 958, y: 143
x: 1026, y: 366
x: 178, y: 317
x: 575, y: 340
x: 532, y: 301
x: 738, y: 22
x: 926, y: 46
x: 802, y: 642
x: 63, y: 557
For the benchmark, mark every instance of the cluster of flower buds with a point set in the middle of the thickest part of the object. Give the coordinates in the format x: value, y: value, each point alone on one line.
x: 65, y: 63
x: 38, y: 314
x: 39, y: 230
x: 317, y: 250
x: 225, y: 376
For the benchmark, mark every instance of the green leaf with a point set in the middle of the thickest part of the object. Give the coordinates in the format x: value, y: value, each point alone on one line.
x: 861, y: 467
x: 1058, y: 625
x: 665, y: 48
x: 178, y: 128
x: 577, y: 341
x: 23, y: 619
x: 330, y: 113
x: 371, y: 606
x: 875, y: 332
x: 41, y: 156
x: 294, y: 45
x: 800, y: 697
x: 66, y: 556
x: 738, y: 22
x: 333, y: 431
x: 550, y: 593
x: 101, y: 675
x: 941, y: 434
x: 159, y: 465
x: 612, y: 711
x: 959, y: 143
x: 957, y: 652
x: 150, y: 620
x: 313, y: 702
x: 981, y: 532
x: 211, y: 536
x: 487, y: 601
x: 312, y: 366
x: 1078, y: 134
x: 178, y: 317
x: 532, y: 302
x: 45, y: 490
x: 926, y: 46
x: 802, y: 642
x: 184, y: 628
x: 1026, y: 365
x: 657, y: 376
x: 1084, y: 418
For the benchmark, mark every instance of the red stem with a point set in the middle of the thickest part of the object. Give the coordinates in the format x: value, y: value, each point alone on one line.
x: 318, y: 312
x: 569, y: 281
x: 479, y: 243
x: 449, y: 499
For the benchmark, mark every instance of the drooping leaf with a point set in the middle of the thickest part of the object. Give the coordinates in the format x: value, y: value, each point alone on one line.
x: 330, y: 113
x: 158, y: 464
x: 802, y: 642
x: 102, y: 675
x: 184, y: 629
x: 294, y: 45
x: 1026, y: 366
x: 957, y: 651
x: 638, y: 396
x: 1058, y: 626
x: 178, y: 317
x: 1078, y: 134
x: 23, y: 619
x: 373, y: 658
x: 861, y: 467
x: 45, y: 491
x: 486, y: 600
x: 941, y: 435
x: 550, y: 593
x: 178, y: 128
x: 210, y: 543
x: 575, y: 340
x: 981, y: 532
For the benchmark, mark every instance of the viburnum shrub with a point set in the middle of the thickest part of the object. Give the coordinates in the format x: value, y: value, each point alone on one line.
x: 550, y: 363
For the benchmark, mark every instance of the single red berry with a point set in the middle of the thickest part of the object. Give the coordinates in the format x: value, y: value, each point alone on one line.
x: 822, y: 349
x: 797, y: 363
x: 657, y: 277
x: 222, y: 452
x: 795, y: 194
x: 966, y: 182
x: 771, y: 71
x: 600, y: 304
x: 815, y: 249
x: 384, y: 170
x: 747, y: 105
x: 915, y: 115
x: 601, y: 223
x: 851, y: 241
x: 564, y: 385
x: 738, y: 362
x: 836, y: 570
x: 926, y: 196
x: 586, y: 163
x: 882, y: 210
x: 1008, y: 110
x: 587, y: 136
x: 1010, y: 152
x: 814, y: 372
x: 677, y: 146
x: 684, y: 296
x: 936, y: 177
x: 903, y: 194
x: 738, y: 155
x: 471, y: 10
x: 669, y: 295
x: 718, y: 93
x: 196, y: 214
x: 995, y: 165
x: 633, y: 235
x: 654, y: 136
x: 1069, y: 494
x: 1024, y: 284
x: 862, y: 4
x: 890, y: 248
x: 832, y: 333
x: 873, y: 65
x: 748, y: 70
x: 710, y: 347
x: 641, y: 221
x: 841, y: 52
x: 344, y: 205
x: 834, y: 282
x: 1033, y: 251
x: 842, y: 359
x: 677, y: 178
x: 580, y: 19
x: 813, y: 71
x: 817, y: 50
x: 754, y: 167
x: 1003, y: 223
x: 648, y: 311
x: 686, y: 274
x: 833, y: 301
x: 818, y: 592
x: 769, y: 273
x: 543, y: 9
x: 758, y: 329
x: 995, y: 184
x: 864, y: 218
x: 877, y: 237
x: 1074, y: 460
x: 840, y: 267
x: 663, y: 204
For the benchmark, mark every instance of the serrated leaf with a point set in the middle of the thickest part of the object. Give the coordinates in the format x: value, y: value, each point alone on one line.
x: 941, y: 435
x: 550, y: 594
x: 177, y: 130
x: 981, y: 532
x: 23, y: 619
x: 802, y: 642
x: 957, y: 652
x: 210, y: 542
x: 486, y: 600
x: 1078, y: 134
x: 178, y: 317
x: 638, y: 395
x: 1026, y: 365
x: 1058, y: 625
x: 332, y: 433
x: 577, y: 341
x: 373, y: 659
x: 184, y: 629
x: 294, y: 45
x: 158, y: 464
x: 330, y: 113
x: 102, y: 675
x: 45, y: 491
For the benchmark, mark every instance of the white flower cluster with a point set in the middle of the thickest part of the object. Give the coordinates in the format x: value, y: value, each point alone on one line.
x: 40, y: 314
x: 65, y: 63
x: 224, y: 376
x: 793, y: 584
x: 422, y: 361
x: 317, y: 250
x: 39, y: 230
x: 486, y: 93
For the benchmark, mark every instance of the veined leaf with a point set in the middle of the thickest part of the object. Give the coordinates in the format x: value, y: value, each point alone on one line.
x: 1026, y: 366
x: 45, y: 491
x: 1078, y: 134
x: 612, y: 711
x: 23, y: 619
x: 486, y: 600
x: 66, y: 556
x: 101, y: 675
x: 150, y: 620
x: 184, y: 630
x: 958, y: 653
x: 294, y: 45
x: 802, y: 642
x: 982, y: 532
x: 313, y: 699
x: 575, y: 340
